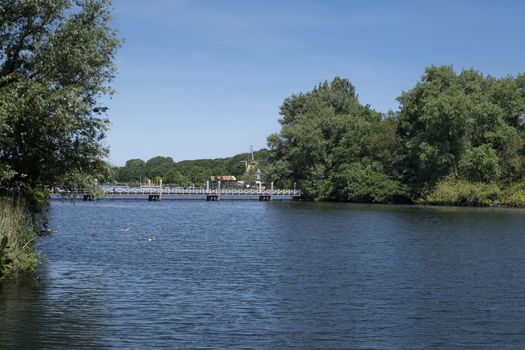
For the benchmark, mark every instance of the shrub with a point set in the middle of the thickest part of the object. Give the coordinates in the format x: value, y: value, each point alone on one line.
x: 452, y: 191
x: 514, y: 195
x: 17, y: 240
x: 359, y: 182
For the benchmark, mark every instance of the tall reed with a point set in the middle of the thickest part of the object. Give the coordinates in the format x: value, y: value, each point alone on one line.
x: 17, y: 239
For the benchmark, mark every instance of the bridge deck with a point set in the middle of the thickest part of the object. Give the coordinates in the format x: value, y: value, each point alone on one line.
x: 174, y: 193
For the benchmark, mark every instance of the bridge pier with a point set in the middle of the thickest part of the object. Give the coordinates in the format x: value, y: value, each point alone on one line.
x: 212, y: 197
x: 154, y: 197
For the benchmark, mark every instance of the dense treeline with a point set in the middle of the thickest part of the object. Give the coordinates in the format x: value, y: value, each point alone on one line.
x: 187, y: 172
x: 457, y: 139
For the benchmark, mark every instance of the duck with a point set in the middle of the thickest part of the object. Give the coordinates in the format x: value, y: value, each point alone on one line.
x: 44, y: 230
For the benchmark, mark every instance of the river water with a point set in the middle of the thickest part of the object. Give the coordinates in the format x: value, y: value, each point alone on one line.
x: 273, y: 275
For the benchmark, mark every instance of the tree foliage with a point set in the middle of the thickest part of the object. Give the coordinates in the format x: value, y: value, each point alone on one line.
x: 455, y: 134
x: 186, y: 172
x: 56, y: 61
x: 329, y: 141
x: 467, y: 125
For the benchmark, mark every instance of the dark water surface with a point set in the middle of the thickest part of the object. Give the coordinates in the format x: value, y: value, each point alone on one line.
x: 272, y: 275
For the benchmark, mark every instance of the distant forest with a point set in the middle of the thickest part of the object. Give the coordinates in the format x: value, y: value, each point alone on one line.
x: 458, y: 138
x: 187, y: 172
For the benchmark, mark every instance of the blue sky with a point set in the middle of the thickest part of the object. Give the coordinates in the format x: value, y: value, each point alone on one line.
x: 205, y: 79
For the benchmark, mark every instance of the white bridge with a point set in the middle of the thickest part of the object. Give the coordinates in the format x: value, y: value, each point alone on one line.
x: 160, y: 193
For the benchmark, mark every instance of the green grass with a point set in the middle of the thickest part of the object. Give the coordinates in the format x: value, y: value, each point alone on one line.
x: 18, y: 235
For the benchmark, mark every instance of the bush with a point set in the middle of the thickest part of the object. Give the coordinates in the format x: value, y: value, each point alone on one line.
x: 17, y: 240
x: 359, y: 182
x: 514, y: 195
x: 452, y: 191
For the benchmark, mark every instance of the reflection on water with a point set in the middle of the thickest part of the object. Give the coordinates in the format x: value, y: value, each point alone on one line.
x: 272, y: 275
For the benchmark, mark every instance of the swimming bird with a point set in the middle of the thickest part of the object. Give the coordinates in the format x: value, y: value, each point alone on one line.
x: 45, y: 230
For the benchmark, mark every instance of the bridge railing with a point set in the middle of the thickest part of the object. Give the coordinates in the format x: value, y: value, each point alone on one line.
x: 188, y: 191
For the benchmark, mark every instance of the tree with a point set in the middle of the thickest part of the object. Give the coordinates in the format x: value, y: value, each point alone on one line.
x: 467, y: 125
x: 56, y: 61
x: 133, y: 171
x: 326, y: 138
x: 159, y: 166
x: 359, y: 182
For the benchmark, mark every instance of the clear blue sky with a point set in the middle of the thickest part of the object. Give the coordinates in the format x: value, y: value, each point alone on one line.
x: 205, y: 79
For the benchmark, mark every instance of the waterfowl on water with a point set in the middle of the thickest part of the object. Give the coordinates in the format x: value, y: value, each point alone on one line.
x: 44, y: 230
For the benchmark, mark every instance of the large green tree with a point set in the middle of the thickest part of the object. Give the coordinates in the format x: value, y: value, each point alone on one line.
x: 465, y: 125
x: 56, y: 62
x: 329, y: 141
x: 133, y: 171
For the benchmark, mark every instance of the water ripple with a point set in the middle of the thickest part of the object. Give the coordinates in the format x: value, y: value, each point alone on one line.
x: 272, y: 275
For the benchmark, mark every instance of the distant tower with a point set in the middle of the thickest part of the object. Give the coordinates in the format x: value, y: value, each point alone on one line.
x: 250, y: 163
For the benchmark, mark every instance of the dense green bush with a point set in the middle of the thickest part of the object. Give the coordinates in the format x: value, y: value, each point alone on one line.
x: 452, y: 191
x: 358, y: 182
x: 514, y: 195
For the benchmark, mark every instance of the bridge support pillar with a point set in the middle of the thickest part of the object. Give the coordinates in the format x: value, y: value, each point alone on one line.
x: 154, y: 197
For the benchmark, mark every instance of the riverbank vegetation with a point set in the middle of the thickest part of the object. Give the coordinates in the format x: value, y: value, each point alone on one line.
x: 56, y: 62
x: 457, y: 139
x: 186, y: 172
x: 17, y: 240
